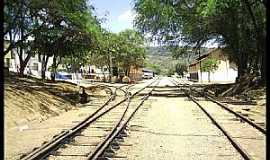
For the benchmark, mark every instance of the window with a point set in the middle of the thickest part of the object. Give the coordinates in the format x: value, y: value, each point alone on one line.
x: 7, y: 62
x: 34, y: 66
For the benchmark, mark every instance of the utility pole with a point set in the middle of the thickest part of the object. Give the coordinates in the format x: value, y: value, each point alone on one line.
x: 110, y: 69
x: 200, y: 64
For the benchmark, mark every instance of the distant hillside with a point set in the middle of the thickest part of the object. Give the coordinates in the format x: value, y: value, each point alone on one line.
x: 161, y: 59
x: 161, y: 51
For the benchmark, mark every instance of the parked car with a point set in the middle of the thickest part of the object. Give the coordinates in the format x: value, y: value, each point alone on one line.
x: 63, y: 76
x: 147, y: 74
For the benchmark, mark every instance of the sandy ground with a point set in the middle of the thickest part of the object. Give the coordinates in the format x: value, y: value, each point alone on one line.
x: 251, y: 140
x: 35, y: 111
x: 173, y: 129
x: 31, y: 135
x: 27, y: 99
x: 164, y: 128
x: 27, y: 125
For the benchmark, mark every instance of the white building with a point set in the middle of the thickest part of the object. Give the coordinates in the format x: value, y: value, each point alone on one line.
x: 33, y: 66
x: 94, y: 72
x: 225, y: 73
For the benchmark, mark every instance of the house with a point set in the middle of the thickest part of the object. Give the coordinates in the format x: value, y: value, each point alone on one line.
x: 95, y: 72
x: 33, y: 67
x: 98, y: 73
x: 135, y: 73
x: 226, y: 71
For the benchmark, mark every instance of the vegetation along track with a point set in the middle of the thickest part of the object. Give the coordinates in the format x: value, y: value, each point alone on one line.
x: 87, y: 139
x: 247, y: 138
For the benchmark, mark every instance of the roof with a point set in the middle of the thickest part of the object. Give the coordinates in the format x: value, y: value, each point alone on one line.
x: 147, y: 70
x: 202, y: 56
x: 205, y: 54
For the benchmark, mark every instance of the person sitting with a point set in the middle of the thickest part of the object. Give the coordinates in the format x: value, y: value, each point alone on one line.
x: 83, y: 95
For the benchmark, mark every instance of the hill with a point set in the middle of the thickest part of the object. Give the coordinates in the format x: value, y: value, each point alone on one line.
x: 162, y: 61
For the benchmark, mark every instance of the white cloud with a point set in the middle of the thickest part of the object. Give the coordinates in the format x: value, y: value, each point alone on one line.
x: 128, y: 15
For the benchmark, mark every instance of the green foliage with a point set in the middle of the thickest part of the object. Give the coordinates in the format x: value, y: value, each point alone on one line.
x: 209, y: 65
x: 65, y: 29
x: 180, y: 68
x: 237, y: 24
x: 124, y: 49
x: 155, y: 67
x: 170, y: 72
x: 131, y: 51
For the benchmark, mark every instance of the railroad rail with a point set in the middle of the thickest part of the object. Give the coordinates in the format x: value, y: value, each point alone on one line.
x: 228, y: 109
x: 69, y: 132
x: 117, y: 130
x: 89, y: 125
x: 218, y: 123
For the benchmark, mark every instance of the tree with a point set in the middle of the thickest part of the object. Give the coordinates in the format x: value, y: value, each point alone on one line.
x: 106, y: 50
x: 180, y: 68
x: 170, y: 71
x: 69, y: 31
x: 155, y: 67
x: 209, y: 65
x: 239, y: 25
x: 19, y: 26
x: 50, y: 29
x: 131, y: 51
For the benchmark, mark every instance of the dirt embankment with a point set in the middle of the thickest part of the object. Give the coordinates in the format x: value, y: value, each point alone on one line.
x: 29, y: 99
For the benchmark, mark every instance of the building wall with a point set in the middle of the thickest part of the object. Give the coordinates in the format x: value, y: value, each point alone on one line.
x: 194, y: 68
x: 94, y: 72
x: 135, y: 74
x: 33, y: 66
x: 226, y: 71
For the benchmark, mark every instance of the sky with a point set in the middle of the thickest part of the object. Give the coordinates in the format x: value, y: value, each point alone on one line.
x: 119, y: 16
x: 118, y: 13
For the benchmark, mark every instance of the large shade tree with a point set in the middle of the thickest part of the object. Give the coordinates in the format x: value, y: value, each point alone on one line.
x: 122, y: 50
x: 131, y: 52
x: 238, y: 24
x: 58, y: 28
x: 70, y: 29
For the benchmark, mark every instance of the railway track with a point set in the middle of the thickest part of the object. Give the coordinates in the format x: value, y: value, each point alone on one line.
x: 91, y: 137
x: 189, y: 88
x: 246, y: 136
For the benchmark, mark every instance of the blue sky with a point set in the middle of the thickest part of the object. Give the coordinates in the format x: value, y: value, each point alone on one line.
x: 120, y: 16
x: 119, y: 13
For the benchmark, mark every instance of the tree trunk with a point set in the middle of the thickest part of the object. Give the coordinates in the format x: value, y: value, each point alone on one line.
x: 110, y: 73
x: 44, y: 66
x: 259, y: 39
x: 241, y: 70
x: 104, y: 76
x: 262, y: 69
x: 54, y: 66
x: 126, y: 72
x: 23, y: 63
